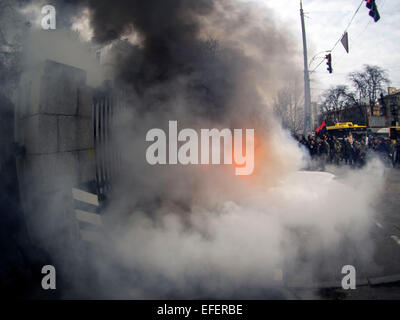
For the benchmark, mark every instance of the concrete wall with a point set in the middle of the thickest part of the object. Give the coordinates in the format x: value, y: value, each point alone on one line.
x: 54, y: 123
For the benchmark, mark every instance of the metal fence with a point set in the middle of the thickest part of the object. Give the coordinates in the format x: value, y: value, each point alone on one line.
x: 103, y: 113
x: 107, y: 107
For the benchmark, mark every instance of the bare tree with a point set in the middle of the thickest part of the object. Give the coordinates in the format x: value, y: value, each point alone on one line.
x: 335, y: 100
x: 289, y: 107
x: 342, y: 104
x: 369, y: 84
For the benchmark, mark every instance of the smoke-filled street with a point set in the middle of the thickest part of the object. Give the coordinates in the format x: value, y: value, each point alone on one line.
x: 199, y: 150
x: 385, y: 266
x: 386, y: 224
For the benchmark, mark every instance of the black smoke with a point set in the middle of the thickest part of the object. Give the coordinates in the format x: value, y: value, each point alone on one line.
x: 173, y: 45
x: 171, y: 48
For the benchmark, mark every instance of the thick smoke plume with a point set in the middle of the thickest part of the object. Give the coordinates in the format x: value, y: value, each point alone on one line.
x: 201, y: 42
x: 201, y: 231
x: 206, y: 64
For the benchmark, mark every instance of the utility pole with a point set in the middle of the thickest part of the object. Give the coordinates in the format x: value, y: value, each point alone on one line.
x: 307, y: 93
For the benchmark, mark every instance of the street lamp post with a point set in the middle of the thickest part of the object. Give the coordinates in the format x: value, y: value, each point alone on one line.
x: 307, y: 93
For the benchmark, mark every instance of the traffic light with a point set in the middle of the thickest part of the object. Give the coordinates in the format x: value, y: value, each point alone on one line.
x: 373, y: 10
x: 328, y: 58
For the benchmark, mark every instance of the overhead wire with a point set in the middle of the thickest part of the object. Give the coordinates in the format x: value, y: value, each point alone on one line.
x: 357, y: 37
x: 337, y: 42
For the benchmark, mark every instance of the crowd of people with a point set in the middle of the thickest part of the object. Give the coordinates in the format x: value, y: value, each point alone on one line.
x: 352, y: 150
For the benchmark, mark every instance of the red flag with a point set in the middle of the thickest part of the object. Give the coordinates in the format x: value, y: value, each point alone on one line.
x: 323, y: 124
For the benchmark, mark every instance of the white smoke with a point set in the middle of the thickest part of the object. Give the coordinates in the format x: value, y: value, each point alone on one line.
x: 300, y: 230
x: 195, y: 231
x: 206, y: 232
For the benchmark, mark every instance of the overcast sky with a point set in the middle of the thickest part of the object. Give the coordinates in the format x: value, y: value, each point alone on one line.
x: 370, y: 42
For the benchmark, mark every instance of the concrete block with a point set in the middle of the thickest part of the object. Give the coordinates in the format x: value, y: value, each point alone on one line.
x: 59, y: 88
x: 75, y: 133
x: 85, y: 139
x: 29, y: 91
x: 38, y: 133
x: 87, y: 166
x: 67, y: 133
x: 85, y: 101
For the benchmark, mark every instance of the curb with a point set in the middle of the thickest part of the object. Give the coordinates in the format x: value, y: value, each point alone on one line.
x: 384, y: 280
x: 371, y: 281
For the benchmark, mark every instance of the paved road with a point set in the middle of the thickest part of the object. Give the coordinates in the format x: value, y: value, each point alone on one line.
x: 387, y: 223
x: 385, y: 237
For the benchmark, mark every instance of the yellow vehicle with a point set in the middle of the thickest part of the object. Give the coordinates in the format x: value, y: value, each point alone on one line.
x: 344, y: 129
x: 394, y: 133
